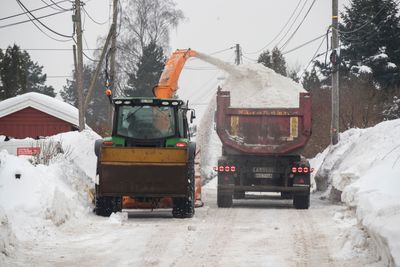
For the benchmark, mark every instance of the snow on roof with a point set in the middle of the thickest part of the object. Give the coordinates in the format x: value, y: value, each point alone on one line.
x: 256, y: 86
x: 44, y: 103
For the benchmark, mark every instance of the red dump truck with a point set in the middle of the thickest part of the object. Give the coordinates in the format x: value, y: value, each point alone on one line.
x: 261, y: 151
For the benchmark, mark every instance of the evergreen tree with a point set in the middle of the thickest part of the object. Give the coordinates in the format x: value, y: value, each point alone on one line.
x: 370, y: 36
x: 149, y: 69
x: 265, y: 59
x: 273, y: 60
x: 278, y: 62
x: 311, y: 80
x: 19, y: 74
x: 97, y: 114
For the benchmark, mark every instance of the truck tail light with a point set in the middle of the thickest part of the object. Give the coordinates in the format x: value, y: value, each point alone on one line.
x: 294, y: 169
x: 225, y: 168
x: 305, y: 169
x: 300, y: 169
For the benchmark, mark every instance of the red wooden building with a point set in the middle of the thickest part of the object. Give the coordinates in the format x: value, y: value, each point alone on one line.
x: 34, y: 114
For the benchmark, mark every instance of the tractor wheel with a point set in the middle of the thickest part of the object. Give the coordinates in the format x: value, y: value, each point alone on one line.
x: 183, y: 207
x: 104, y: 206
x: 301, y: 201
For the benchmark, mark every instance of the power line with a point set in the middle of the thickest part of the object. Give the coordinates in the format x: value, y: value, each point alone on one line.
x: 92, y: 19
x: 33, y: 10
x: 316, y: 55
x: 220, y: 51
x: 304, y: 44
x: 41, y: 23
x: 29, y: 20
x: 298, y: 27
x: 279, y: 33
x: 86, y: 56
x: 54, y: 49
x: 58, y: 5
x: 291, y: 26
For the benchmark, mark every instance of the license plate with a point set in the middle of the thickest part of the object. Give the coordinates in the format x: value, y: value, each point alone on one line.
x: 263, y: 175
x: 263, y: 169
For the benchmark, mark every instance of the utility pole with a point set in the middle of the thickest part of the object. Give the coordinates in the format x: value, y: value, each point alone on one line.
x: 113, y: 46
x: 335, y: 75
x: 79, y: 64
x: 238, y: 53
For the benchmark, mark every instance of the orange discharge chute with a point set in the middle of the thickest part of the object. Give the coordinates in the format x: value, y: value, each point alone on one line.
x: 168, y: 83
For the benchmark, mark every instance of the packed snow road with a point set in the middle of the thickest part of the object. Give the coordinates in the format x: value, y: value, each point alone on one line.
x: 268, y: 232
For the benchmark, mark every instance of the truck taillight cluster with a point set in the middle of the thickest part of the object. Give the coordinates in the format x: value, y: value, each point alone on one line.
x: 302, y: 170
x: 225, y: 168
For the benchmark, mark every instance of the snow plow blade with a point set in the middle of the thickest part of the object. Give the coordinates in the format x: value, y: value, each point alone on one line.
x: 143, y: 172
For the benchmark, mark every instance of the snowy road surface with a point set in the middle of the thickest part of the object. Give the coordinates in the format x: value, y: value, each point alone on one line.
x: 266, y: 232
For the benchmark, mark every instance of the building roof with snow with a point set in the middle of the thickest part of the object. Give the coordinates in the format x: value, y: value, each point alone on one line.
x: 34, y: 115
x: 44, y: 103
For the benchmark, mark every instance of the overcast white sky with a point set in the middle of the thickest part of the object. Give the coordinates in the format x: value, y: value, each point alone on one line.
x: 210, y: 25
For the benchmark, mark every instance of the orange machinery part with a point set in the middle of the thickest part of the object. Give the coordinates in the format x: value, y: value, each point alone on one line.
x: 168, y: 83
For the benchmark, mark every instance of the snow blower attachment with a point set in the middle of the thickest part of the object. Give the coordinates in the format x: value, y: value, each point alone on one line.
x: 149, y: 161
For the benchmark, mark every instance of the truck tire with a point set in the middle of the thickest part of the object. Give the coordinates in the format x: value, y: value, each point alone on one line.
x: 104, y: 206
x: 301, y: 202
x: 286, y: 195
x: 183, y: 207
x: 224, y: 197
x: 224, y: 200
x: 239, y: 194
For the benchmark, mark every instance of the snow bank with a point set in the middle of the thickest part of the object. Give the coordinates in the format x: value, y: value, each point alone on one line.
x: 7, y: 237
x: 80, y: 146
x: 37, y: 199
x: 256, y: 86
x: 365, y: 167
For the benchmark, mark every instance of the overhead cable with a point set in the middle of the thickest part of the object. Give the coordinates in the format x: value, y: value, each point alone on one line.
x: 298, y: 27
x: 279, y: 33
x: 33, y: 10
x: 41, y: 23
x: 304, y: 44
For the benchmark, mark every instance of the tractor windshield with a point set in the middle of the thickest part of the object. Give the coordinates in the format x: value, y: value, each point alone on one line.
x: 146, y: 122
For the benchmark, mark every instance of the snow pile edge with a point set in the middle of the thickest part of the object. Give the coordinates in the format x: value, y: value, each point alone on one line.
x: 363, y: 169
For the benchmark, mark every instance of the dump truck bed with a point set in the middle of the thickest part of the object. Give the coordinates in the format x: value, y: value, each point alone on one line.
x: 269, y: 131
x: 143, y: 172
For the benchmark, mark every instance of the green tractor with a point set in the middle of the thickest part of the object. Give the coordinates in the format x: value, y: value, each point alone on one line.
x: 148, y: 162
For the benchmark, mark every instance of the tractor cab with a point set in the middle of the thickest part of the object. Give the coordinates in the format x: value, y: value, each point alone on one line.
x: 150, y: 122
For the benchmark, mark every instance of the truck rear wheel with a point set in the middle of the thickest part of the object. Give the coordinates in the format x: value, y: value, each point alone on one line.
x: 286, y: 195
x: 107, y: 205
x: 239, y: 194
x: 301, y: 201
x: 183, y: 207
x: 224, y: 200
x: 224, y: 197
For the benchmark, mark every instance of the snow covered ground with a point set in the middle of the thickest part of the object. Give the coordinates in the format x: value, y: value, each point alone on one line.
x: 46, y: 216
x: 365, y: 168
